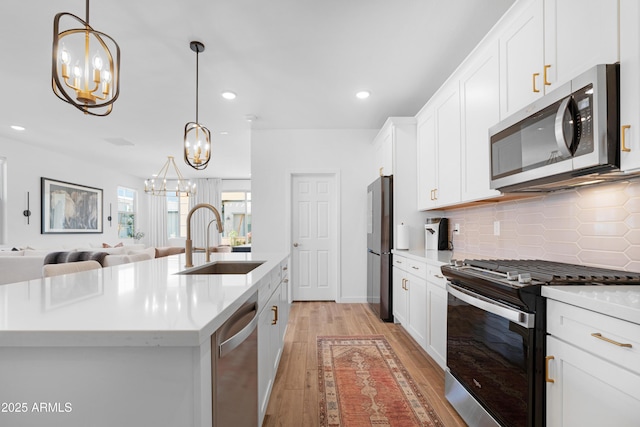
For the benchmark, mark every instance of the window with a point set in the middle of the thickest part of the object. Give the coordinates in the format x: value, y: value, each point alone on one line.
x: 127, y: 209
x: 177, y: 211
x: 236, y: 214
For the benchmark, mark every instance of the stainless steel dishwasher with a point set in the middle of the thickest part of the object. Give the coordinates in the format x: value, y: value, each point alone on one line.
x: 236, y: 368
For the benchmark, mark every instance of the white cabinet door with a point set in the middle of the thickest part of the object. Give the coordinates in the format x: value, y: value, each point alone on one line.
x: 588, y: 391
x: 448, y: 145
x: 480, y: 109
x: 578, y: 35
x: 437, y: 323
x: 522, y: 56
x: 630, y: 85
x: 383, y: 147
x: 417, y: 322
x: 427, y: 161
x: 399, y: 297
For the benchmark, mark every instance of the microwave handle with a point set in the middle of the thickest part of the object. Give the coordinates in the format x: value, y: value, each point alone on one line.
x: 568, y: 148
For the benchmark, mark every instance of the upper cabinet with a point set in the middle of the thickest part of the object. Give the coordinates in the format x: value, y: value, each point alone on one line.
x: 383, y: 151
x: 480, y: 109
x: 551, y: 41
x: 578, y: 34
x: 522, y: 53
x: 439, y: 149
x: 630, y: 82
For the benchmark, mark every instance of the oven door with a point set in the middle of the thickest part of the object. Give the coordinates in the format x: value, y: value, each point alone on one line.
x: 490, y: 350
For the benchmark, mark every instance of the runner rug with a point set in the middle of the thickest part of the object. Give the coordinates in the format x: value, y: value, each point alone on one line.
x: 363, y: 383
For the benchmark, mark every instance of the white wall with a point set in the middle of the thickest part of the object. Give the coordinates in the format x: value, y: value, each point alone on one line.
x: 26, y: 164
x: 277, y: 153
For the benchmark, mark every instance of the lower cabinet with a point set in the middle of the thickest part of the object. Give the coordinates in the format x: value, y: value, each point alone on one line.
x: 437, y: 316
x: 410, y: 297
x: 272, y: 326
x: 420, y: 305
x: 590, y: 381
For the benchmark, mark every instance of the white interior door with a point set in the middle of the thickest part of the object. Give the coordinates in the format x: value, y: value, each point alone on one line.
x: 314, y: 237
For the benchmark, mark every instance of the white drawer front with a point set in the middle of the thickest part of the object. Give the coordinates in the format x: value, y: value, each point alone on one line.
x: 435, y: 276
x: 590, y: 331
x: 401, y: 262
x: 418, y: 269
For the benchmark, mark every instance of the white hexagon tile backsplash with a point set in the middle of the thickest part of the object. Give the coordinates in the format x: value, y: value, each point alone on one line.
x: 598, y: 225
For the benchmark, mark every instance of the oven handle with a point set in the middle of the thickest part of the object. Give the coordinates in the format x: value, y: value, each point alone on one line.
x: 486, y: 304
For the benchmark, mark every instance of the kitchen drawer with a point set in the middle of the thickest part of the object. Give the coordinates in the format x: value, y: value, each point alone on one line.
x: 401, y: 262
x: 276, y: 275
x: 416, y: 268
x: 577, y: 325
x: 284, y: 269
x: 435, y: 276
x: 265, y: 289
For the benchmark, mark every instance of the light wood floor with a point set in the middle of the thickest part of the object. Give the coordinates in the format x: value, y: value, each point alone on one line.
x: 294, y: 399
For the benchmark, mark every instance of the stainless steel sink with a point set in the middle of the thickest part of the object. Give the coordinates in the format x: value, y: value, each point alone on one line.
x: 225, y: 267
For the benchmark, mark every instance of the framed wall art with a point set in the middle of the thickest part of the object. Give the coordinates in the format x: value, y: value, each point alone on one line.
x: 70, y: 208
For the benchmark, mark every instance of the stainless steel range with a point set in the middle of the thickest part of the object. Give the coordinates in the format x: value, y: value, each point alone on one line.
x: 496, y: 327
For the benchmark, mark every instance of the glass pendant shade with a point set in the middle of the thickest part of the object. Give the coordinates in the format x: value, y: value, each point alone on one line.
x: 165, y: 184
x: 197, y: 138
x: 85, y: 70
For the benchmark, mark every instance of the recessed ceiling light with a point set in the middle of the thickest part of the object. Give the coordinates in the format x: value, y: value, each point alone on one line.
x: 228, y: 95
x: 16, y: 127
x: 363, y: 94
x: 224, y: 132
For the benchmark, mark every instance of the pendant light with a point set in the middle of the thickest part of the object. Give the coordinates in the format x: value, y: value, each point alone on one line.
x: 169, y: 184
x: 85, y: 70
x: 197, y: 138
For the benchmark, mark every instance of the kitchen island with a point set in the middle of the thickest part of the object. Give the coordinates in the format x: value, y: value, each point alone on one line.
x: 128, y: 345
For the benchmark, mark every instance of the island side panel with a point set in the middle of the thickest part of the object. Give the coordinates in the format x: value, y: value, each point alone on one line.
x: 104, y: 386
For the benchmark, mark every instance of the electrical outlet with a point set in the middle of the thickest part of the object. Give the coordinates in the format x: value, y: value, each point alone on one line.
x: 456, y: 228
x: 496, y: 228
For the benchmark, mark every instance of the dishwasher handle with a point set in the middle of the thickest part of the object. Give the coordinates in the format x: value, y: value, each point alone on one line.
x: 233, y: 342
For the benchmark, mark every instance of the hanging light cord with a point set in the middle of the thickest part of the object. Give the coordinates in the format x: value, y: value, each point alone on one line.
x: 87, y: 20
x: 197, y: 81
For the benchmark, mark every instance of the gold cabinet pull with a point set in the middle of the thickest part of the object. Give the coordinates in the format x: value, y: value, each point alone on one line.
x: 546, y: 80
x: 609, y: 340
x: 435, y: 194
x: 622, y: 132
x: 404, y: 284
x: 275, y: 314
x: 380, y: 171
x: 546, y: 369
x: 431, y: 195
x: 535, y: 76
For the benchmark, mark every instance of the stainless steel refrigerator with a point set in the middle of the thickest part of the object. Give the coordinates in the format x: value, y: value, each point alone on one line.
x: 379, y: 244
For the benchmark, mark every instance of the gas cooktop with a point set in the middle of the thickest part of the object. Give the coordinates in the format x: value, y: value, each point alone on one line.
x: 509, y: 280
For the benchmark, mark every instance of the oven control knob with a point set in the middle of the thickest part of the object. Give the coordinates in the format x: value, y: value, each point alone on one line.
x: 452, y: 261
x: 524, y: 278
x: 459, y: 263
x: 512, y: 275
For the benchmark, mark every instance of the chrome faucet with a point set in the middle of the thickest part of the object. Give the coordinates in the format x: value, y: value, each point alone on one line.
x: 188, y: 250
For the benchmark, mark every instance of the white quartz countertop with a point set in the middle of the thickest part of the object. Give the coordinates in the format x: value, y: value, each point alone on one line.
x: 430, y: 257
x: 622, y: 302
x: 138, y: 304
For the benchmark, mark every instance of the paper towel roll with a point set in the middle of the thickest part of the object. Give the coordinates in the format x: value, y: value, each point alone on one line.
x: 402, y: 237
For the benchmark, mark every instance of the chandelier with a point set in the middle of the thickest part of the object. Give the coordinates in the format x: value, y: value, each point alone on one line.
x: 160, y: 185
x: 84, y: 71
x: 197, y: 138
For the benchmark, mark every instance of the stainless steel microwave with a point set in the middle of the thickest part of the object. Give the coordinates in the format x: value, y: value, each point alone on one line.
x: 566, y: 138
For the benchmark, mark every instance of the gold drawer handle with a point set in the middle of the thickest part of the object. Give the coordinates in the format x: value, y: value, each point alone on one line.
x: 275, y: 315
x: 546, y: 369
x: 609, y: 340
x: 546, y: 80
x: 623, y: 141
x: 535, y: 89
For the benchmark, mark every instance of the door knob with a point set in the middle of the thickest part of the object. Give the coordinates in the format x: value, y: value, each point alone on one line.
x: 295, y: 245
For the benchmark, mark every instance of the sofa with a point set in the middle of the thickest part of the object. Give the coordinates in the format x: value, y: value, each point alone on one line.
x: 27, y: 264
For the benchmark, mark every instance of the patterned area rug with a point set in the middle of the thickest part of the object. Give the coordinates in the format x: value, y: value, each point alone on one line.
x: 363, y: 383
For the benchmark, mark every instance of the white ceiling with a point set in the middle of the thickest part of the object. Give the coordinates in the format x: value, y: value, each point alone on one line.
x: 295, y: 64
